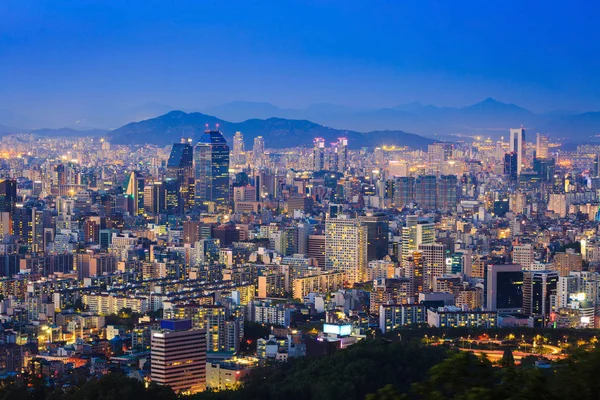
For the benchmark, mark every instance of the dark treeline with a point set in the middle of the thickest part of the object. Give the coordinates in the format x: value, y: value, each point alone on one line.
x: 374, y: 370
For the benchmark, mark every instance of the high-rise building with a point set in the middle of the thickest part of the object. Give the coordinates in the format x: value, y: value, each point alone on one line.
x: 426, y: 192
x: 414, y: 269
x: 238, y: 148
x: 8, y: 195
x: 342, y: 149
x: 538, y: 289
x: 318, y: 154
x: 439, y: 152
x: 504, y: 287
x: 415, y: 233
x: 377, y: 235
x: 434, y: 258
x: 316, y: 249
x: 178, y: 356
x: 258, y: 151
x: 446, y: 188
x: 511, y: 166
x: 134, y: 189
x: 568, y: 262
x: 404, y: 192
x: 541, y: 146
x: 523, y: 255
x: 346, y: 247
x: 517, y: 146
x: 211, y: 159
x: 180, y: 169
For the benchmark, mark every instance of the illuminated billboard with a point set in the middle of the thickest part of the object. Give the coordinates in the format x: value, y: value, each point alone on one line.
x: 340, y: 330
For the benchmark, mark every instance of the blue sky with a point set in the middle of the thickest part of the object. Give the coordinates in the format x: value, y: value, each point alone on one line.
x: 70, y: 57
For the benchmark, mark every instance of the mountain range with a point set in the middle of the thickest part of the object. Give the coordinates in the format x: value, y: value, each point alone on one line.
x: 156, y: 122
x: 277, y: 132
x: 488, y: 117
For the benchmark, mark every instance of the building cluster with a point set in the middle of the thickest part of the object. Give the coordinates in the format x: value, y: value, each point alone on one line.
x: 157, y: 260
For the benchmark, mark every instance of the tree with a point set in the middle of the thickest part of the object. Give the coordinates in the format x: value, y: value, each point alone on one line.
x: 507, y: 358
x: 388, y: 392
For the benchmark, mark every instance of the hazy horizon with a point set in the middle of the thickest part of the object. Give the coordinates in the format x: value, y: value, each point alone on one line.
x: 64, y: 62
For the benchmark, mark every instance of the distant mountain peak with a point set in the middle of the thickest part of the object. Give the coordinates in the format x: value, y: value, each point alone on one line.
x: 278, y: 132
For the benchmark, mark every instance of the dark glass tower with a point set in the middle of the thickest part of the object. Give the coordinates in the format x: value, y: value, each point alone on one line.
x: 211, y: 163
x: 8, y: 195
x: 180, y: 172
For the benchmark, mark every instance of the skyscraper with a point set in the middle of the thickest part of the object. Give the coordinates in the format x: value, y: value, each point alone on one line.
x: 511, y: 165
x: 346, y: 247
x: 342, y: 148
x: 504, y: 287
x: 211, y: 160
x: 180, y: 169
x: 446, y: 192
x: 134, y: 189
x: 8, y: 195
x: 178, y: 356
x: 517, y: 146
x: 426, y: 192
x: 258, y: 151
x: 377, y: 235
x: 318, y: 154
x: 404, y: 192
x: 415, y: 233
x: 238, y: 148
x: 538, y: 287
x: 541, y: 146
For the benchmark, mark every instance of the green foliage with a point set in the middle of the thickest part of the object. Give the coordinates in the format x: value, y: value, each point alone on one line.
x: 372, y: 370
x: 507, y: 358
x: 349, y: 374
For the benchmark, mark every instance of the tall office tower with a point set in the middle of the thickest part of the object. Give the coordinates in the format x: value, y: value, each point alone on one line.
x: 346, y: 247
x: 178, y: 356
x: 332, y: 157
x: 414, y: 270
x: 504, y: 288
x: 316, y: 249
x: 538, y: 287
x: 511, y: 166
x: 404, y: 192
x: 596, y: 166
x: 426, y: 191
x: 238, y: 148
x: 517, y: 146
x: 499, y: 151
x: 155, y: 198
x: 134, y: 189
x: 180, y: 169
x: 211, y: 159
x: 342, y: 148
x: 415, y: 233
x: 446, y: 192
x: 434, y: 259
x: 377, y: 235
x: 258, y: 151
x: 523, y: 255
x: 318, y: 154
x: 541, y: 146
x: 439, y: 152
x: 8, y: 195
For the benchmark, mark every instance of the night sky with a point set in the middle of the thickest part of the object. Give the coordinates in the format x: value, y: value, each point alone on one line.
x: 61, y: 60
